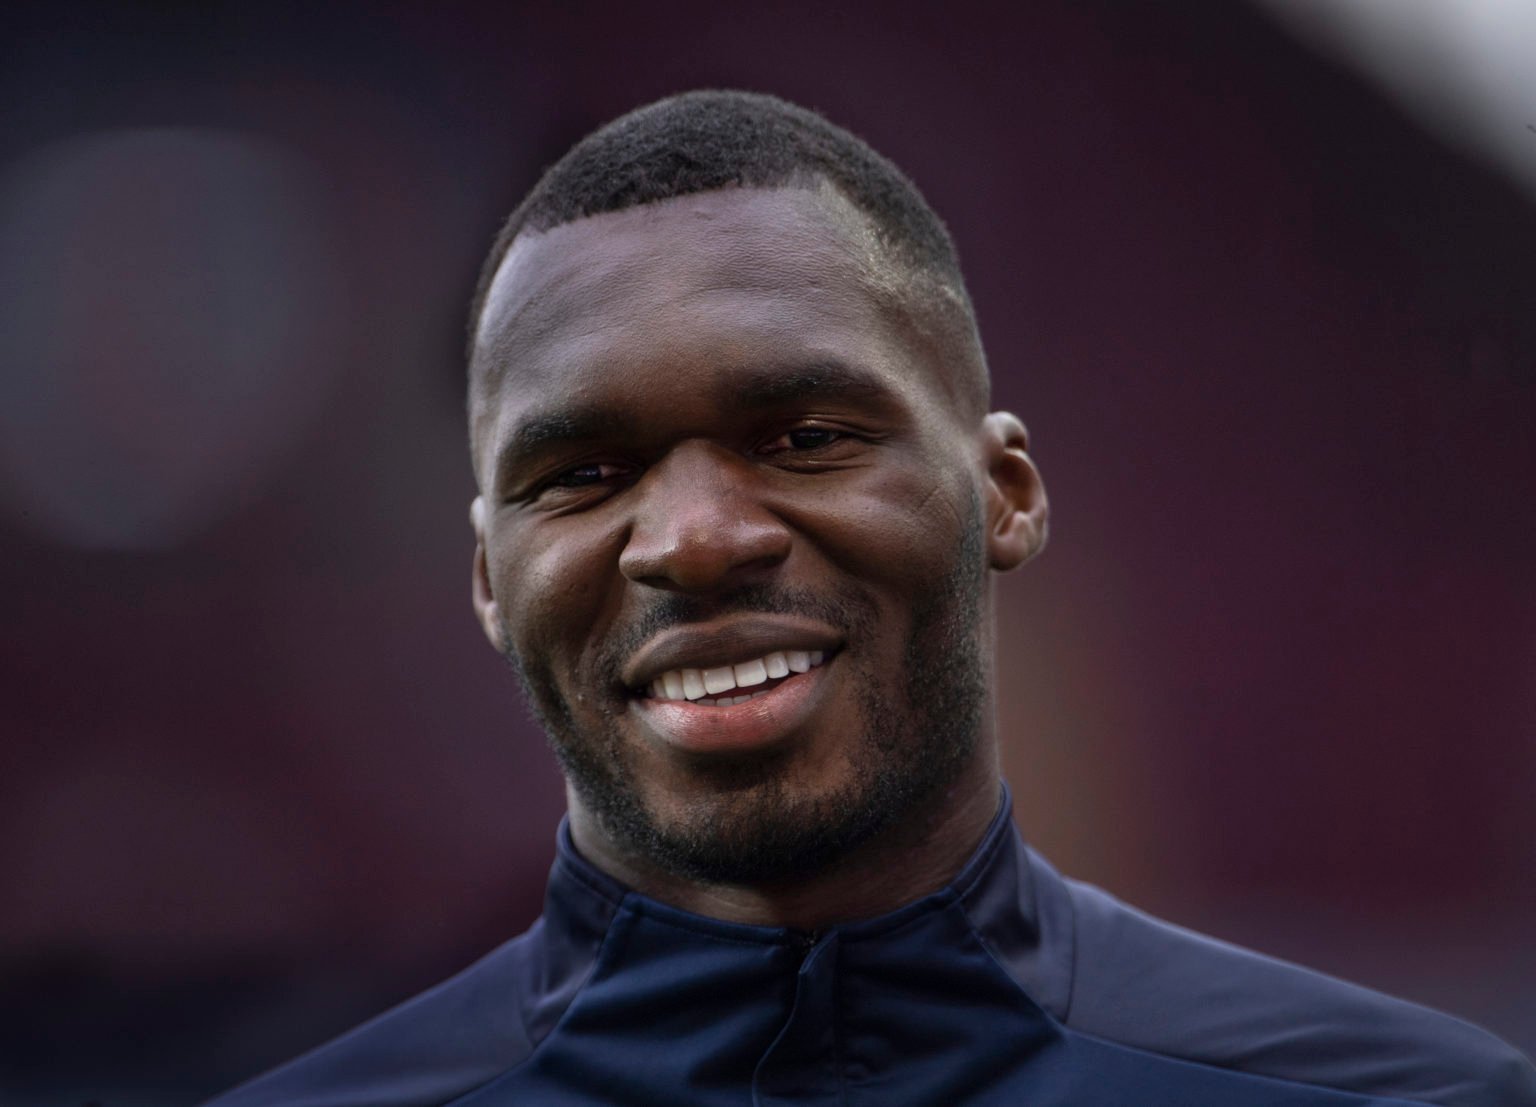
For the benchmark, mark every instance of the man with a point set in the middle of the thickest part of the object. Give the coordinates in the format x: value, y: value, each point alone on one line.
x: 740, y: 494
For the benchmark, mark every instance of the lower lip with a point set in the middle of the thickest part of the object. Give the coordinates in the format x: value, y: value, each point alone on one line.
x: 760, y: 722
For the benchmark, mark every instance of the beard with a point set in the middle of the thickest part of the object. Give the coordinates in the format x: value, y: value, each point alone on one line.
x: 753, y: 825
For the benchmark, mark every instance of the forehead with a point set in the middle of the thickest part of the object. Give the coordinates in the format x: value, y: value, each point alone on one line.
x: 681, y: 294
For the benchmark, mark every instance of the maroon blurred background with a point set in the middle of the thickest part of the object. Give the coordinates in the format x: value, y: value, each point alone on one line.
x: 1275, y: 678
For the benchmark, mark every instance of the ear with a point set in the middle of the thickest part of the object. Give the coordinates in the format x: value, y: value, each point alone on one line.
x: 480, y: 585
x: 1016, y: 506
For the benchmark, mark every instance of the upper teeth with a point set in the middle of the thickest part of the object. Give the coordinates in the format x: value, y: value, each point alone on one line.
x: 700, y: 684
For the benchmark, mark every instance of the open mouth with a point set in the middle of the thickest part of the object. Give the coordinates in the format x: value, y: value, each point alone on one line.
x: 728, y: 685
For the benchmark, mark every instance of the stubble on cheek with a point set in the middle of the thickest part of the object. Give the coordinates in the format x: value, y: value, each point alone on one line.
x: 579, y: 753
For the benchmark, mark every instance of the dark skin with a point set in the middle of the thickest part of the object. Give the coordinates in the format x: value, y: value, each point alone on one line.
x: 714, y: 392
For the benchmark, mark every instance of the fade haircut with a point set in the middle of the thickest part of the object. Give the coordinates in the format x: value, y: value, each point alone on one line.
x: 708, y: 140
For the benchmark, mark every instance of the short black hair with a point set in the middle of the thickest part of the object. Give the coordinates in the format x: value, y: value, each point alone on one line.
x: 712, y: 139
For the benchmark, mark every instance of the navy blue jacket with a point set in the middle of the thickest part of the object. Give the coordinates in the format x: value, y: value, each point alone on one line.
x: 1012, y: 986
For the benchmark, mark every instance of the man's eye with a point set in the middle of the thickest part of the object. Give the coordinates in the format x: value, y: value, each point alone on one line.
x: 806, y: 438
x: 580, y: 476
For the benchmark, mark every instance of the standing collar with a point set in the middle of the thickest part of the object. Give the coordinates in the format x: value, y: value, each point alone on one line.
x: 994, y: 887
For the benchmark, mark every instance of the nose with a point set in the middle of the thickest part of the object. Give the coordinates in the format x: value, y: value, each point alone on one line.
x: 699, y: 524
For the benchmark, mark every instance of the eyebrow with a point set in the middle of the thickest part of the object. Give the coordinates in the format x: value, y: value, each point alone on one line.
x: 544, y: 430
x: 757, y: 389
x: 770, y: 386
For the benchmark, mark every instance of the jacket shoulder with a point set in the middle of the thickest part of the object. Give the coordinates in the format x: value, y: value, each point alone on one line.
x: 429, y: 1049
x: 1142, y: 982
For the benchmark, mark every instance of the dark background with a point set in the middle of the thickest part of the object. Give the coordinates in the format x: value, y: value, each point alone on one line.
x: 1275, y: 678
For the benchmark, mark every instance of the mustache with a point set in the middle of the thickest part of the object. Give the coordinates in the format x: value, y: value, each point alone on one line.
x: 847, y: 609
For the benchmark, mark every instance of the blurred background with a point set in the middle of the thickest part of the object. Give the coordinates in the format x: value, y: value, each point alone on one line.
x: 1260, y: 278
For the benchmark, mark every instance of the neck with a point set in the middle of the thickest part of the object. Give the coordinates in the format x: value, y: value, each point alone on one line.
x: 917, y: 855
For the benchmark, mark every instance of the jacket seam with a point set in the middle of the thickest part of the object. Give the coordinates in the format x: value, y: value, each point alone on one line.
x: 1367, y: 1096
x: 597, y: 960
x: 1072, y: 953
x: 1065, y: 1028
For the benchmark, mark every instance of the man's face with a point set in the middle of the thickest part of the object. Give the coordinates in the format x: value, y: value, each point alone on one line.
x: 716, y: 465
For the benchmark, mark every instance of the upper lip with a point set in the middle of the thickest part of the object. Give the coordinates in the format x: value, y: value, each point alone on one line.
x: 724, y: 642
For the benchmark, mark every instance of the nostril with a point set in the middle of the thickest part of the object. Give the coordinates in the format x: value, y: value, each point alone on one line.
x: 701, y: 553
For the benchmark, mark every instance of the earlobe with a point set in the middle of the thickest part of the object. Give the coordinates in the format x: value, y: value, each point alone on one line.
x: 480, y: 583
x: 1017, y: 512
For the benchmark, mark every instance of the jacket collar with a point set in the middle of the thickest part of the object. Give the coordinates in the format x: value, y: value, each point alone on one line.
x: 996, y: 888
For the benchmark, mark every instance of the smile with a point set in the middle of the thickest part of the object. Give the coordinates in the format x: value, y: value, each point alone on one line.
x: 738, y: 683
x: 740, y: 715
x: 707, y: 686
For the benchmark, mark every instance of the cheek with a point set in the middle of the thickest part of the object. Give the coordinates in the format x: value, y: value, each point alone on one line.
x: 901, y: 529
x: 551, y: 587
